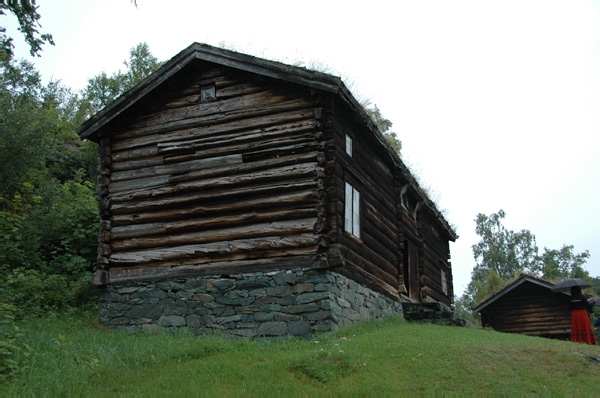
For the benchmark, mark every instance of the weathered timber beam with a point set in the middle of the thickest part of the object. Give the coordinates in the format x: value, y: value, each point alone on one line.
x: 120, y: 276
x: 253, y: 104
x: 178, y: 129
x: 241, y: 205
x: 190, y: 251
x: 302, y: 210
x: 178, y: 168
x: 275, y: 174
x: 230, y: 193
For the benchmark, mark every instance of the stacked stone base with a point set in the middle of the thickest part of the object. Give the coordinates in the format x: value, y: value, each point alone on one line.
x: 432, y: 313
x: 263, y: 304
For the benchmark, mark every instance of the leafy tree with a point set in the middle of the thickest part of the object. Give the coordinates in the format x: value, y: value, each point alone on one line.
x: 563, y: 263
x: 27, y: 14
x: 501, y: 250
x: 502, y: 255
x: 103, y: 89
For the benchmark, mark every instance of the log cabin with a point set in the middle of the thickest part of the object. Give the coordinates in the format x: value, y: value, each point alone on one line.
x: 222, y: 164
x: 527, y: 306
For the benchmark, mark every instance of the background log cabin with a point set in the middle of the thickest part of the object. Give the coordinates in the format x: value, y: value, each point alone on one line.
x: 222, y: 162
x: 528, y: 306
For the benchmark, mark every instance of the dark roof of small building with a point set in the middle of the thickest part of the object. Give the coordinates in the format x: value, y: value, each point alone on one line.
x: 523, y: 278
x: 277, y: 70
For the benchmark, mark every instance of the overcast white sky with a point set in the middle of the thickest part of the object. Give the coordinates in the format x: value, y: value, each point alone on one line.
x: 496, y: 102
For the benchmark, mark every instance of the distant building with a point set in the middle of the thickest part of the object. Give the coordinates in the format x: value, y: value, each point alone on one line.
x: 527, y: 306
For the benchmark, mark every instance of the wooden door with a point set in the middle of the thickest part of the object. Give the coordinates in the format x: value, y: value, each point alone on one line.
x: 411, y: 270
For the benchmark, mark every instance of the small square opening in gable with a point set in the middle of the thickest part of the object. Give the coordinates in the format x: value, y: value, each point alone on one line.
x: 208, y: 93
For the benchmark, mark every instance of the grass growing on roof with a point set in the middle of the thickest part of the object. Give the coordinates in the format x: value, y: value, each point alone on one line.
x: 74, y: 356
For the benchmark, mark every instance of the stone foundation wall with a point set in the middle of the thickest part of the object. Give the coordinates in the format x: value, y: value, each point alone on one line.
x: 297, y: 302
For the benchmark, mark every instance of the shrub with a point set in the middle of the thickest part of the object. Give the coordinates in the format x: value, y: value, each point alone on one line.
x: 12, y: 350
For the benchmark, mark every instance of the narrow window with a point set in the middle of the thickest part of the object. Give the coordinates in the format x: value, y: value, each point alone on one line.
x: 444, y: 283
x: 207, y: 93
x: 352, y: 211
x: 348, y: 145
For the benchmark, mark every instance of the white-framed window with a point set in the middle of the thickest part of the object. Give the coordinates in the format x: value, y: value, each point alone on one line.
x: 348, y: 145
x: 352, y: 211
x: 444, y: 282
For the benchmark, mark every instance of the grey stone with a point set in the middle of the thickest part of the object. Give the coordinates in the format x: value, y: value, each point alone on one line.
x: 243, y: 332
x: 254, y: 283
x: 170, y: 285
x: 120, y: 321
x: 171, y: 320
x: 264, y: 316
x: 322, y: 287
x: 270, y: 307
x: 257, y: 292
x: 193, y: 320
x: 298, y: 328
x: 234, y: 294
x: 126, y: 290
x: 194, y: 284
x: 310, y: 297
x: 227, y: 319
x: 265, y: 300
x: 220, y: 284
x: 283, y: 278
x: 141, y: 321
x: 278, y: 291
x: 279, y: 316
x: 344, y: 303
x: 289, y: 300
x: 252, y: 309
x: 304, y: 288
x: 272, y: 329
x: 300, y: 308
x: 236, y: 301
x: 203, y: 297
x: 183, y: 294
x: 317, y: 316
x: 174, y: 309
x: 324, y: 326
x: 110, y: 297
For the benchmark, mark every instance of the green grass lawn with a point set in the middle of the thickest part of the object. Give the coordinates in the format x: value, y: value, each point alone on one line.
x: 74, y: 356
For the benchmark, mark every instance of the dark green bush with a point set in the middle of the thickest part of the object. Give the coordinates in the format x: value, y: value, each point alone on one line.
x: 12, y: 350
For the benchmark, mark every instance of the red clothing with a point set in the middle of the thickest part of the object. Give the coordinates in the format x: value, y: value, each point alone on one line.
x: 581, y: 328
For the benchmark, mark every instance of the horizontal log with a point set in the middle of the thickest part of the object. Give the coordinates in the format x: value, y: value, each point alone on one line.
x: 245, y: 167
x: 260, y: 135
x: 213, y: 124
x: 241, y: 205
x: 215, y: 248
x: 274, y: 228
x: 275, y: 174
x: 297, y: 144
x: 200, y: 259
x: 230, y: 193
x: 256, y: 103
x: 190, y: 223
x: 177, y: 168
x: 119, y: 276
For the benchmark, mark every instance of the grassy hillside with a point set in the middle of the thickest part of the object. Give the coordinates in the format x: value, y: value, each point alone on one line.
x: 74, y: 356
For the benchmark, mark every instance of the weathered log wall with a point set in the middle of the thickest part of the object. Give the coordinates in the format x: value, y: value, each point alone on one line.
x: 212, y: 186
x: 529, y: 309
x: 373, y: 257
